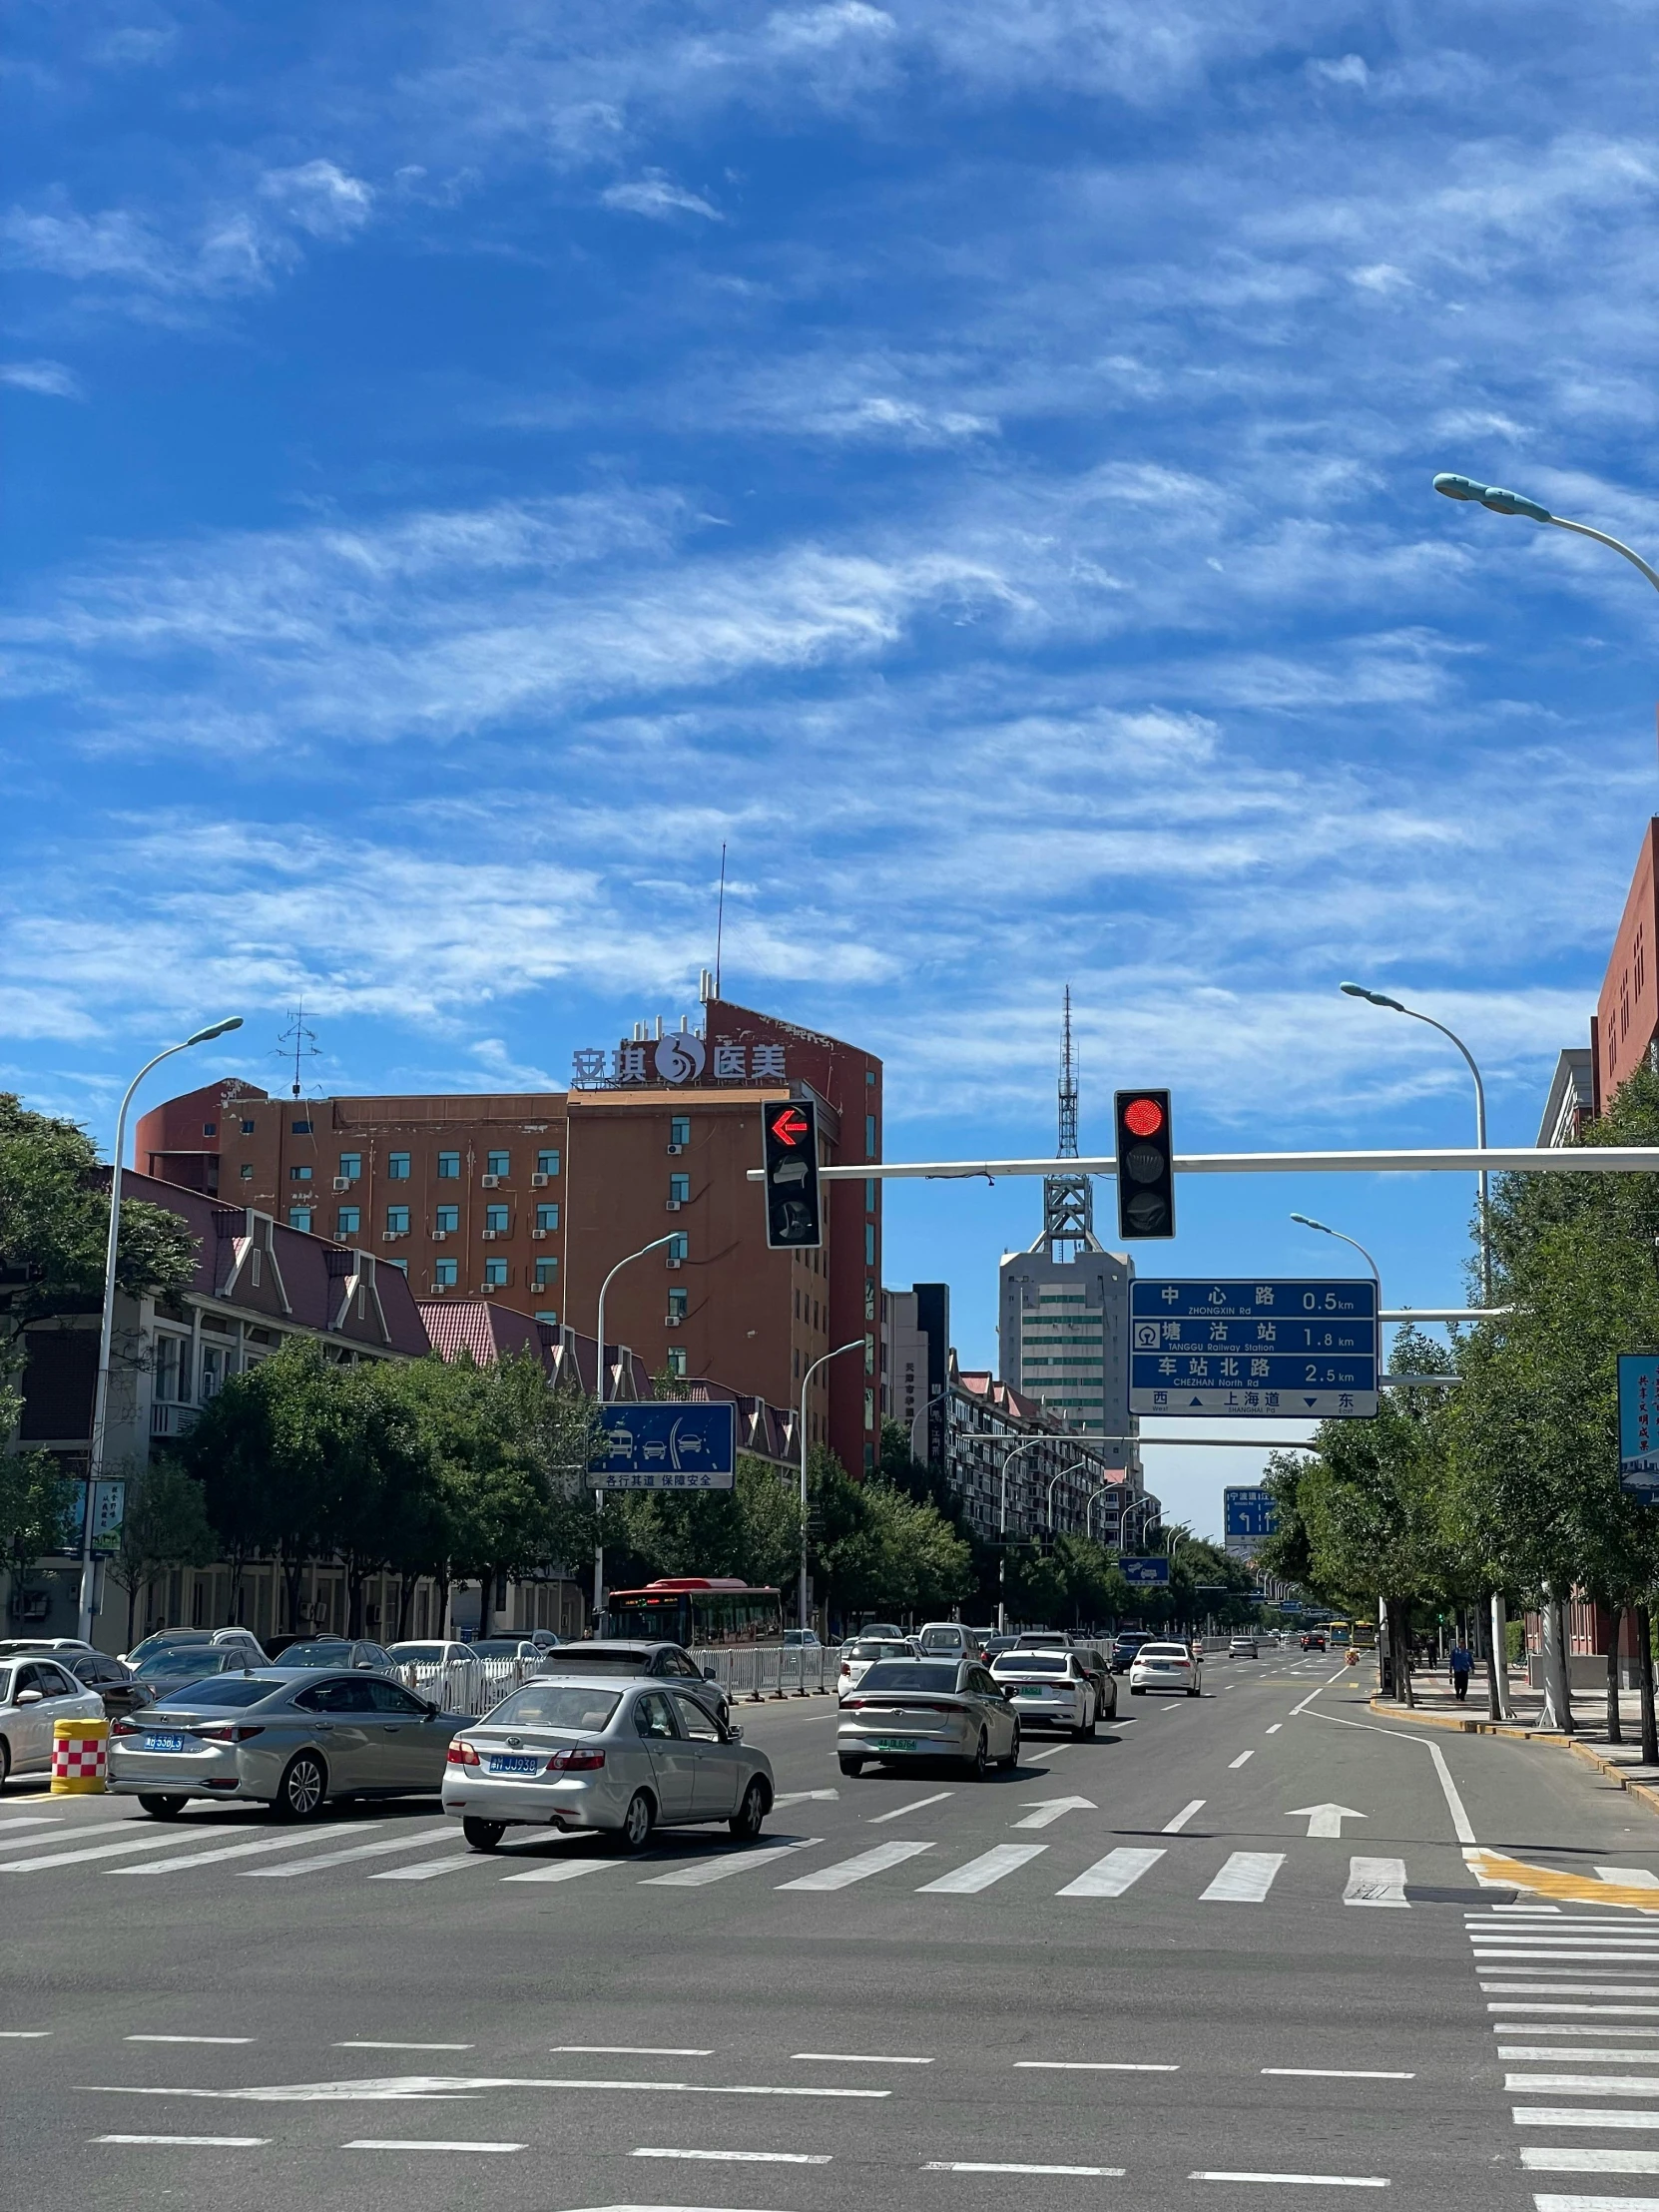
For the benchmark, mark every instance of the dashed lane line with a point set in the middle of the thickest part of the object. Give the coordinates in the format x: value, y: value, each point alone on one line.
x: 188, y: 2038
x: 631, y: 2051
x: 378, y: 2142
x: 192, y: 2142
x: 744, y: 2157
x: 900, y: 1812
x: 1091, y: 2066
x: 364, y: 2044
x: 1174, y: 1827
x: 857, y: 2058
x: 1233, y: 1764
x: 1338, y: 2073
x: 988, y: 2166
x: 1305, y: 2181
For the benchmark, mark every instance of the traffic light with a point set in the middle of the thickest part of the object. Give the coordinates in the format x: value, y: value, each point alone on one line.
x: 1146, y: 1165
x: 793, y: 1219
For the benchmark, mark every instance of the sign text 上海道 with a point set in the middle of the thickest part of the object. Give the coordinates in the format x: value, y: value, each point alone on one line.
x: 1246, y: 1349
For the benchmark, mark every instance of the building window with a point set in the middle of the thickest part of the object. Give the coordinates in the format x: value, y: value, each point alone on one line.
x: 678, y: 1301
x: 496, y: 1218
x: 547, y: 1163
x: 495, y: 1273
x: 402, y: 1265
x: 444, y: 1273
x: 497, y: 1163
x: 448, y: 1219
x: 352, y: 1166
x: 210, y: 1128
x: 300, y: 1175
x: 397, y: 1221
x: 248, y: 1128
x: 676, y: 1359
x: 1641, y: 966
x: 869, y: 1194
x: 870, y: 1078
x: 349, y: 1221
x: 869, y: 1136
x: 449, y: 1167
x: 245, y: 1171
x: 172, y: 1370
x: 679, y: 1129
x: 679, y: 1247
x: 679, y: 1188
x: 869, y: 1409
x: 870, y: 1298
x: 550, y: 1316
x: 301, y: 1128
x: 397, y: 1166
x: 869, y: 1355
x: 299, y: 1217
x: 870, y: 1244
x: 547, y: 1271
x: 547, y: 1217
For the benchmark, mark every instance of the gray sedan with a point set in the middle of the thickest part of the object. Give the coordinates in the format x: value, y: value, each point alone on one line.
x: 625, y: 1757
x: 286, y: 1737
x: 945, y: 1708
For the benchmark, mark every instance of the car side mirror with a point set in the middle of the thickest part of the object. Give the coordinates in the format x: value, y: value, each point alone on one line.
x: 735, y: 1734
x: 707, y: 1674
x: 27, y: 1697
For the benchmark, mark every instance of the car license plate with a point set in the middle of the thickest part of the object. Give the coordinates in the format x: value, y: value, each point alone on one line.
x: 513, y: 1763
x: 163, y: 1742
x: 894, y: 1743
x: 1032, y: 1691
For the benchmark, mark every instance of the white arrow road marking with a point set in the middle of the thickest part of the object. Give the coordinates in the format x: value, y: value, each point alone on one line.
x: 1324, y: 1820
x: 1049, y: 1809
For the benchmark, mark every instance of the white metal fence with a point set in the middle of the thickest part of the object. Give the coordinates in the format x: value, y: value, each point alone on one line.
x: 752, y: 1671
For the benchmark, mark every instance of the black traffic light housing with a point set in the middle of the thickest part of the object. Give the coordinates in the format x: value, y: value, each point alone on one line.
x: 793, y: 1213
x: 1146, y: 1165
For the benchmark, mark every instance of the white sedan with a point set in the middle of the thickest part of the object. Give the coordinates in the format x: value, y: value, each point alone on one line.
x: 35, y: 1692
x: 1048, y: 1689
x: 861, y: 1654
x: 1164, y: 1667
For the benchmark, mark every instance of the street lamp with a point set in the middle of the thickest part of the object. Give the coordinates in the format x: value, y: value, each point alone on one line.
x: 1026, y: 1444
x: 100, y: 1396
x: 1088, y: 1505
x: 924, y: 1413
x: 856, y: 1343
x: 1060, y: 1478
x: 1380, y: 998
x: 1145, y: 1505
x: 1512, y: 503
x: 655, y: 1245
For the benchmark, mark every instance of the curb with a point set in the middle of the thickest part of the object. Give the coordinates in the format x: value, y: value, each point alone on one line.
x: 1646, y: 1792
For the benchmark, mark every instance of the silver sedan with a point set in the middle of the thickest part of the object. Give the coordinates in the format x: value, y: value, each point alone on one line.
x: 624, y: 1756
x: 907, y: 1709
x: 286, y: 1737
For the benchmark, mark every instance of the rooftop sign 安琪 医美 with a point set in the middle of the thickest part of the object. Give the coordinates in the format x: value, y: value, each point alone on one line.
x: 679, y: 1058
x: 672, y: 1447
x: 1253, y: 1349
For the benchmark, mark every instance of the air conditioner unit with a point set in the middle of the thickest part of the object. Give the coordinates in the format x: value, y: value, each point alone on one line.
x: 674, y: 1150
x: 488, y: 1289
x: 673, y: 1320
x: 440, y: 1236
x: 675, y: 1263
x: 488, y: 1235
x: 392, y: 1235
x: 538, y: 1236
x: 344, y: 1182
x: 490, y: 1182
x: 673, y: 1206
x: 540, y: 1182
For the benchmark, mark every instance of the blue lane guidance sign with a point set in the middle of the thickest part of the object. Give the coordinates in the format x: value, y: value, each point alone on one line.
x: 1248, y: 1350
x: 1639, y: 1425
x: 1145, y: 1574
x: 674, y: 1447
x: 1249, y: 1516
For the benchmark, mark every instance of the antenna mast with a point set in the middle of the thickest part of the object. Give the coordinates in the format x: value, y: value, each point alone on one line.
x: 1069, y: 1200
x: 720, y: 916
x: 298, y: 1043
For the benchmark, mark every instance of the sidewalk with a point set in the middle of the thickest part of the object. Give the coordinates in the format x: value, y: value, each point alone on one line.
x: 1436, y: 1702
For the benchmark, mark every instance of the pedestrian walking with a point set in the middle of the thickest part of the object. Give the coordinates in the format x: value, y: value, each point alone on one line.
x: 1461, y: 1665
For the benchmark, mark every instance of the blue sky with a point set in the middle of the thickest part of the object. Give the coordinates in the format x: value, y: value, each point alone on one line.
x: 463, y: 464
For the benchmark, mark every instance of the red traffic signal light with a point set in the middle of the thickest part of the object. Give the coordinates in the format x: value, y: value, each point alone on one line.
x: 790, y: 1126
x: 1146, y: 1165
x: 1142, y: 1116
x: 793, y: 1213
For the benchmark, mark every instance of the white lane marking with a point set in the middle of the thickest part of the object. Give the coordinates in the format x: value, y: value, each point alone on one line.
x: 857, y: 2058
x: 899, y: 1811
x: 1379, y: 1881
x: 980, y: 1872
x: 1454, y: 1805
x: 563, y: 1870
x: 378, y: 1850
x: 376, y: 2142
x: 1338, y: 2073
x: 1046, y: 1810
x: 248, y: 1851
x: 1174, y: 1827
x: 744, y: 2157
x: 153, y: 1841
x: 732, y: 1862
x: 804, y: 1797
x: 1245, y: 1878
x: 427, y: 2089
x: 1277, y: 1726
x: 845, y: 1872
x: 1564, y: 2116
x: 1587, y: 2055
x: 1633, y: 1878
x: 1110, y: 1877
x: 1239, y: 1761
x: 1615, y: 2011
x: 188, y: 2038
x: 1586, y: 2159
x: 428, y: 1869
x: 23, y: 2034
x: 1600, y: 2085
x: 1593, y: 2204
x: 361, y: 2044
x: 1569, y: 1953
x: 1571, y: 1989
x: 985, y: 2166
x: 1030, y: 1758
x: 203, y: 2142
x: 1565, y: 2028
x: 635, y: 2050
x: 1089, y: 2065
x: 1311, y: 2181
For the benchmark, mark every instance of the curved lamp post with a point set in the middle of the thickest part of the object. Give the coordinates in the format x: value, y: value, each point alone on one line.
x: 1325, y: 1228
x: 1380, y: 998
x: 106, y: 1330
x: 628, y: 1259
x: 1514, y: 503
x: 1060, y: 1478
x: 856, y: 1343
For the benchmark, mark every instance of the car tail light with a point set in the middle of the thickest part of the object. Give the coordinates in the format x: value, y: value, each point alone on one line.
x: 853, y: 1704
x: 461, y: 1755
x: 575, y: 1762
x: 125, y: 1728
x: 231, y: 1732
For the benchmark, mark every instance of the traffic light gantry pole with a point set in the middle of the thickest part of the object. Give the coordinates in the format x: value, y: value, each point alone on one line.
x: 1589, y: 1159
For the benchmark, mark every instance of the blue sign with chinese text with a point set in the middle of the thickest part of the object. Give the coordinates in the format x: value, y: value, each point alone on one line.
x: 1267, y: 1350
x: 1145, y: 1574
x: 1249, y: 1515
x: 674, y: 1447
x: 1639, y: 1424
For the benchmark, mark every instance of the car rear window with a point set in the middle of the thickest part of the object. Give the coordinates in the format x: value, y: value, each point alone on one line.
x: 1031, y: 1662
x: 572, y: 1659
x: 941, y: 1639
x: 197, y: 1659
x: 318, y: 1655
x: 1163, y: 1651
x: 912, y: 1674
x: 416, y: 1655
x: 555, y: 1705
x: 880, y: 1650
x: 229, y: 1692
x: 496, y: 1647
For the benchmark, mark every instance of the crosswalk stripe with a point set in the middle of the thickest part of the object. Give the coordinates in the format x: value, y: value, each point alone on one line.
x: 40, y: 1820
x: 426, y: 1869
x: 411, y: 1842
x: 1587, y: 2160
x: 173, y: 1864
x: 1601, y: 2085
x: 1606, y: 2011
x: 563, y: 1870
x: 1112, y: 1875
x: 845, y: 1872
x: 734, y: 1861
x: 1569, y: 1957
x: 1376, y: 1881
x: 1633, y: 1878
x: 157, y: 1839
x: 1593, y: 2204
x: 1564, y: 2116
x: 980, y: 1872
x: 1245, y: 1878
x: 1571, y: 1989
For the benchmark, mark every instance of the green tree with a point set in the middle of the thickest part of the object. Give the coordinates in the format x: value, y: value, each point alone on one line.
x: 37, y: 1508
x: 165, y: 1525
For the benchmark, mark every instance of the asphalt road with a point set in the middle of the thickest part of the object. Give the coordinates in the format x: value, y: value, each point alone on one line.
x: 1165, y: 1994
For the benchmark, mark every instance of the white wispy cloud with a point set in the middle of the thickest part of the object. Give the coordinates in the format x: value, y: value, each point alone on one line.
x: 659, y: 196
x: 50, y: 380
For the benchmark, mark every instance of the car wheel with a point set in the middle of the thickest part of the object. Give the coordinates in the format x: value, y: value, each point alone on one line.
x: 1012, y: 1760
x: 853, y: 1767
x: 483, y: 1835
x: 637, y: 1822
x: 303, y: 1786
x: 5, y: 1762
x: 162, y: 1807
x: 979, y: 1765
x: 1135, y: 1690
x: 750, y: 1818
x: 1193, y: 1689
x: 1085, y: 1734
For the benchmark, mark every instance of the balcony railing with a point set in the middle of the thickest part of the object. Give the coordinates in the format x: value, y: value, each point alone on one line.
x: 172, y: 1420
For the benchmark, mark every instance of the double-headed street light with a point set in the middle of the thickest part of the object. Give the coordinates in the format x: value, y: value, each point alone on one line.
x: 106, y: 1332
x: 626, y: 1261
x: 1396, y: 1006
x: 1514, y: 503
x: 855, y: 1344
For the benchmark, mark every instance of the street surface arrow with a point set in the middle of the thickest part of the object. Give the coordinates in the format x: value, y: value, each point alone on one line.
x: 1325, y: 1820
x: 1046, y: 1810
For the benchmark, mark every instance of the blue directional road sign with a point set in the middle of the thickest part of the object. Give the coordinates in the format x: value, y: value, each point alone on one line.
x: 1249, y: 1515
x: 674, y: 1447
x: 1253, y: 1349
x: 1145, y: 1574
x: 1639, y: 1425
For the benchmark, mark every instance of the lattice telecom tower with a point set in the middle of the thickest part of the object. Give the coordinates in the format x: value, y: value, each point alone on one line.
x: 1069, y: 1200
